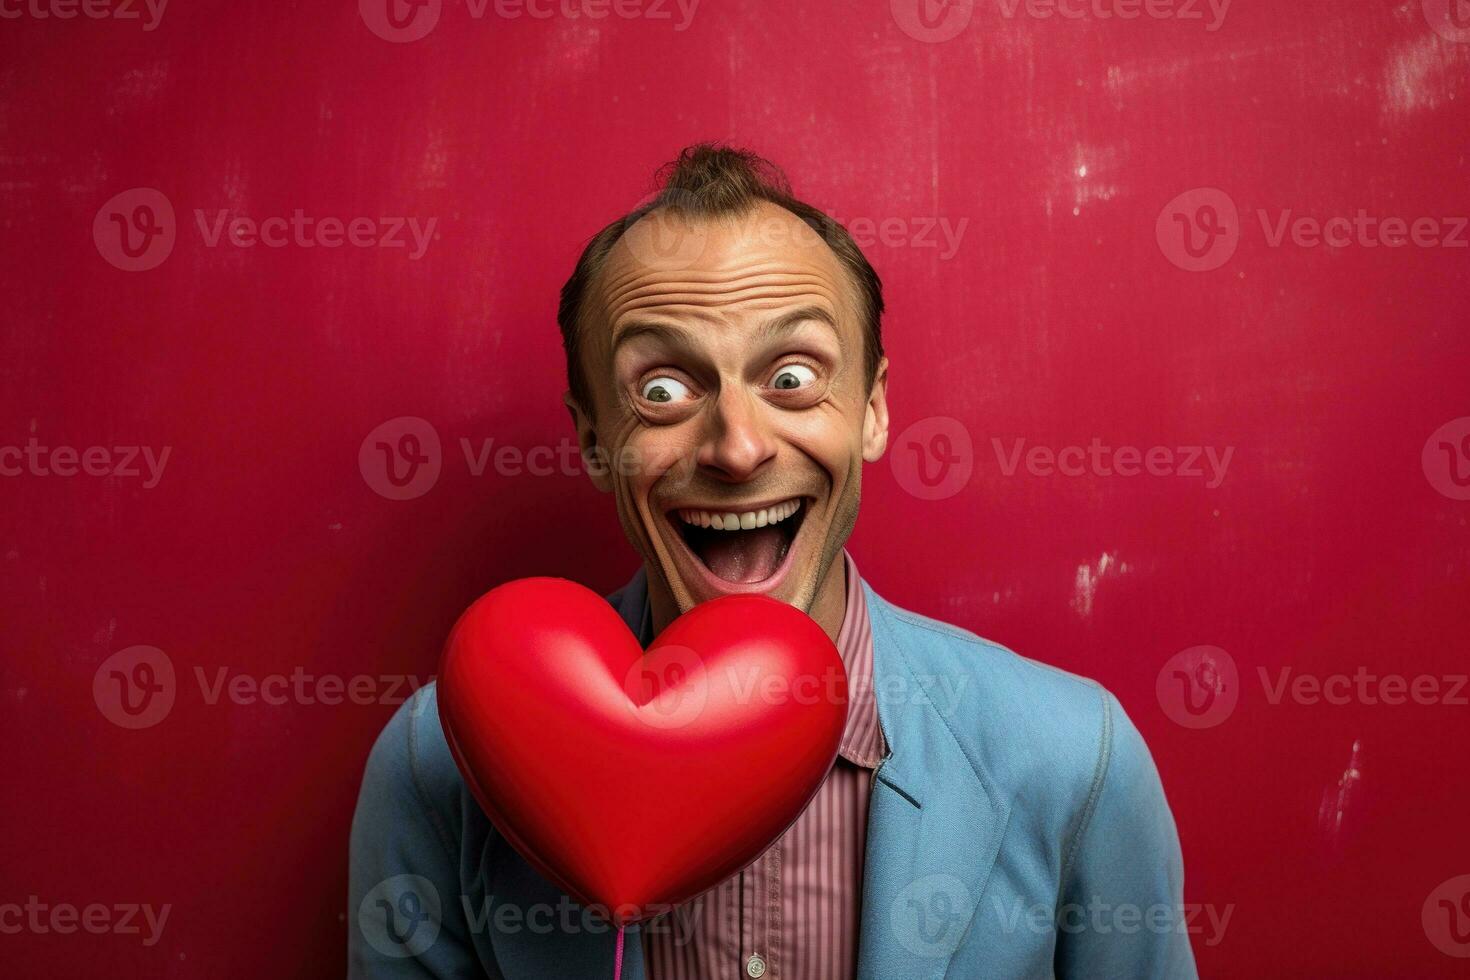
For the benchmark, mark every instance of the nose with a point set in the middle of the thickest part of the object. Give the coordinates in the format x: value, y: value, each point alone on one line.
x: 739, y: 440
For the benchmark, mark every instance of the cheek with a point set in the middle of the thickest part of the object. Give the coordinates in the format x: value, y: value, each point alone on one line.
x: 830, y: 435
x: 648, y: 454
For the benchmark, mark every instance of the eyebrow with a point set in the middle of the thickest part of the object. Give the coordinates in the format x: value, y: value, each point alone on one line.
x: 678, y: 336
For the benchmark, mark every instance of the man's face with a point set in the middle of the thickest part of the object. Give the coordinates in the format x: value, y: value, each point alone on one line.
x: 725, y: 363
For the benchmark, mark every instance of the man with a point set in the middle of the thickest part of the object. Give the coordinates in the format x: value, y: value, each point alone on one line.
x: 987, y: 816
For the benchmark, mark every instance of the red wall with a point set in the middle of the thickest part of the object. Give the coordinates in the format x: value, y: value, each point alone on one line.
x: 1336, y: 542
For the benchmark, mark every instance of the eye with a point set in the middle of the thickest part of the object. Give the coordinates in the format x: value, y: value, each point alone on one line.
x: 664, y: 389
x: 791, y: 376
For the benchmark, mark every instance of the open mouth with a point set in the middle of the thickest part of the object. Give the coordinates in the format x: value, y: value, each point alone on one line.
x: 741, y: 547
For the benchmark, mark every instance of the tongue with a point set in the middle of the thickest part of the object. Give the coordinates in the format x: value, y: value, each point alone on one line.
x: 744, y: 557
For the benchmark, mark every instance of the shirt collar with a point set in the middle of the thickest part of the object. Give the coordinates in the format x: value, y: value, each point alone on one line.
x: 862, y: 739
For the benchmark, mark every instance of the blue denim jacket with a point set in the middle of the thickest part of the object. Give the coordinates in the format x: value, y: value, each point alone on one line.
x: 1017, y: 829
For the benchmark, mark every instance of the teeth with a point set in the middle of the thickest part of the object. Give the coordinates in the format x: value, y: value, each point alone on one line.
x: 728, y: 521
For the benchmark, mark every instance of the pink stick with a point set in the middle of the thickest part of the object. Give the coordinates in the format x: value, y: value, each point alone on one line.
x: 618, y: 959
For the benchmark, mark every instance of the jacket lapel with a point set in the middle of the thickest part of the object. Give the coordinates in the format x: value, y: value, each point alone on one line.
x: 935, y: 821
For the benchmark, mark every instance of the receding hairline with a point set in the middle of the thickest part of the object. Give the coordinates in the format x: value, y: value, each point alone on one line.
x: 847, y: 279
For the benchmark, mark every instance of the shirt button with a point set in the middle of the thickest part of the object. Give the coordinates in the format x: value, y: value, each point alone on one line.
x: 755, y: 967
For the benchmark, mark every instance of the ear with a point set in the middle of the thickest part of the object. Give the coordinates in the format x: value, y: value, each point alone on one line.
x: 593, y: 455
x: 875, y: 420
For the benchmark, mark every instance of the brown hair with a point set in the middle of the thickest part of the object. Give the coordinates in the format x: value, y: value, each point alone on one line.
x: 710, y: 180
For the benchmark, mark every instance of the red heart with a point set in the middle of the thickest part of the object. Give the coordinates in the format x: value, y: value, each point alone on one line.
x: 636, y: 781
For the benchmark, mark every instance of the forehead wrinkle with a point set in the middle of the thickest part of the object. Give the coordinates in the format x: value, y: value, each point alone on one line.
x: 755, y: 299
x: 675, y: 333
x: 614, y: 282
x: 777, y: 284
x: 660, y: 280
x: 671, y: 334
x: 789, y: 323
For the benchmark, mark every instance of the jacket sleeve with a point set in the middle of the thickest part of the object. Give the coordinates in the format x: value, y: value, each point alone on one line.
x: 405, y: 916
x: 1121, y: 912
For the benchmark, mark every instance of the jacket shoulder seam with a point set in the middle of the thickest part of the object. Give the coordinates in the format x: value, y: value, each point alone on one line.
x: 416, y: 777
x: 1099, y: 776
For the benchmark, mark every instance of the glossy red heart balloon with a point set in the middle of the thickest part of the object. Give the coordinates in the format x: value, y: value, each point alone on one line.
x: 636, y: 781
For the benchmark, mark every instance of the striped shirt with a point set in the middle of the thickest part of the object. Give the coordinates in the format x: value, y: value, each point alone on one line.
x: 794, y: 913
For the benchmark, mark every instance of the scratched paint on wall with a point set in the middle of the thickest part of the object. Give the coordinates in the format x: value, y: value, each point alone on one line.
x: 1177, y: 308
